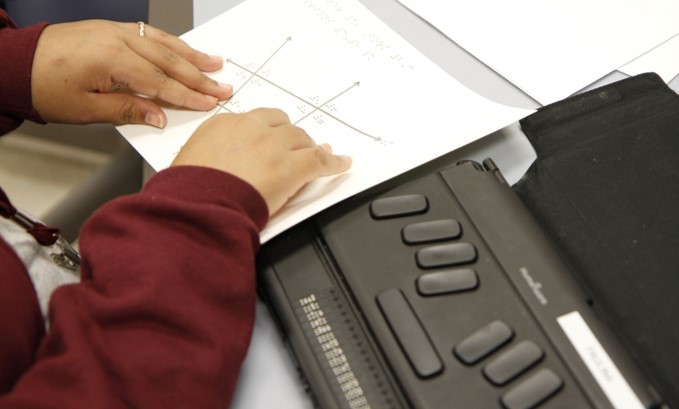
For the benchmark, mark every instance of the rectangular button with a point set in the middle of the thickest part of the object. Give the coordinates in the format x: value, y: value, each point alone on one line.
x: 446, y: 255
x: 533, y: 390
x: 448, y: 281
x: 409, y: 333
x: 433, y: 230
x: 398, y: 206
x: 483, y: 342
x: 513, y: 362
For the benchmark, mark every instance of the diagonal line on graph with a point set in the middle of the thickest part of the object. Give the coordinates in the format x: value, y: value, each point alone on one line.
x: 255, y: 73
x: 319, y: 109
x: 316, y: 108
x: 252, y: 74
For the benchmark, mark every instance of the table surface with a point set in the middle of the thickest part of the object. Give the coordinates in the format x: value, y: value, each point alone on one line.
x: 269, y: 378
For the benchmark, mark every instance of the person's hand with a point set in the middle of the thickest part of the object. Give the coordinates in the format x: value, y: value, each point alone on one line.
x: 90, y: 71
x: 264, y: 149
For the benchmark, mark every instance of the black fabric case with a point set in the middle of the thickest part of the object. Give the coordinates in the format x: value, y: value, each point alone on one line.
x: 605, y: 187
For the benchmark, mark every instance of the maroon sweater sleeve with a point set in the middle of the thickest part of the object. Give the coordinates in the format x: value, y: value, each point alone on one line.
x: 17, y: 48
x: 164, y: 313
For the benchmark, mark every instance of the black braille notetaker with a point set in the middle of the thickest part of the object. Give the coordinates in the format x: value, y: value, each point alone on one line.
x: 445, y: 291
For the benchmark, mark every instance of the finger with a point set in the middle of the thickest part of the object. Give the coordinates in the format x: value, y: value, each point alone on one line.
x: 177, y: 67
x: 304, y: 166
x: 199, y: 59
x: 318, y: 161
x: 143, y: 77
x: 123, y: 108
x: 181, y: 70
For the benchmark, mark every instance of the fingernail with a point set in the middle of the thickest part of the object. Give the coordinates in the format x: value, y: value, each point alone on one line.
x: 228, y: 87
x: 326, y: 147
x: 216, y: 58
x: 155, y: 120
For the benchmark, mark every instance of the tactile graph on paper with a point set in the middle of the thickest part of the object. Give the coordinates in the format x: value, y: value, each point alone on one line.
x: 257, y: 87
x: 346, y: 78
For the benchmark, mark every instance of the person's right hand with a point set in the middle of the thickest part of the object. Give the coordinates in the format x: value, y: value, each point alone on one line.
x: 104, y: 71
x: 263, y: 148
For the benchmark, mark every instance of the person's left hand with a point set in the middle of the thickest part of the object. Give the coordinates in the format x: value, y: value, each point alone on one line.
x: 90, y: 71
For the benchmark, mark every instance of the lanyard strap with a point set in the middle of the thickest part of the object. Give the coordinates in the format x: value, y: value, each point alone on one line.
x: 43, y: 234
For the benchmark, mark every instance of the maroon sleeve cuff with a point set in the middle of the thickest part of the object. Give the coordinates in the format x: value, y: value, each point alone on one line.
x: 17, y: 47
x: 202, y: 184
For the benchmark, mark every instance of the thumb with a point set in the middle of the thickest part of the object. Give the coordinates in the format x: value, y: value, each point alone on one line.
x: 123, y: 108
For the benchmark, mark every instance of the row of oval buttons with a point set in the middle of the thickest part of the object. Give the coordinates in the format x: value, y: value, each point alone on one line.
x: 509, y: 365
x: 436, y: 256
x: 482, y: 343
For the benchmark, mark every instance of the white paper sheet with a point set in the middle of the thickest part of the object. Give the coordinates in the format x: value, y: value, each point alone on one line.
x: 552, y: 49
x: 663, y: 60
x: 343, y: 76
